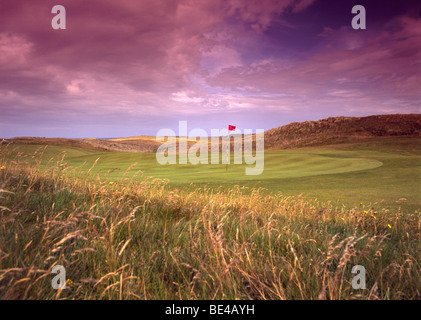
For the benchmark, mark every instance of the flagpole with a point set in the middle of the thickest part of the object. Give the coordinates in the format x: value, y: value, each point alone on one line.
x: 230, y: 128
x: 228, y: 150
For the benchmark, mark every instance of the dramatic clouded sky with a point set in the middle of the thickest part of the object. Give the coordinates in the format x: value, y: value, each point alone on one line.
x: 132, y: 67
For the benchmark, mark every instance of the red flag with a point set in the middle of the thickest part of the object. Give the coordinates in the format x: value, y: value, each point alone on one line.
x: 230, y: 127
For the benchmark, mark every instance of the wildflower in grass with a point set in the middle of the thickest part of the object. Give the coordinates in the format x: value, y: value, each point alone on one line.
x: 365, y: 211
x: 390, y: 227
x: 2, y: 167
x: 374, y: 216
x: 69, y: 282
x: 111, y: 182
x: 343, y: 219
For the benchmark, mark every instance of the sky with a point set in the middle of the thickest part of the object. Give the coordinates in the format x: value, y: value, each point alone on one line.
x: 132, y: 67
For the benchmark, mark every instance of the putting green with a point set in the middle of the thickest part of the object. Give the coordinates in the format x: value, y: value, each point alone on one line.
x: 277, y: 164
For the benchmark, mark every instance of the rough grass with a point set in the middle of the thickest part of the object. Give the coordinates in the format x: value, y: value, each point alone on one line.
x: 139, y: 238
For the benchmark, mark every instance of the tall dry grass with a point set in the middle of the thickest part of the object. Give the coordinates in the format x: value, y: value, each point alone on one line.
x: 138, y: 238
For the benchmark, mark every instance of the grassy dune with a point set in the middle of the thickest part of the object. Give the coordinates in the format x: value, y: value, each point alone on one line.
x: 122, y: 234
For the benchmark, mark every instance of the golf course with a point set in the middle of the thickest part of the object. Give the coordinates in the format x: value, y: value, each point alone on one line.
x: 123, y: 226
x: 381, y: 173
x: 212, y: 156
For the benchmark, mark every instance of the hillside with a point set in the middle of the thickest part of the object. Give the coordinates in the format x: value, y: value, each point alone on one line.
x: 94, y: 144
x: 328, y: 131
x: 342, y: 129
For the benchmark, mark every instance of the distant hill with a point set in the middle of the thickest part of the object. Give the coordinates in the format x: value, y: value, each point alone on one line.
x: 342, y: 129
x: 328, y: 131
x: 94, y: 144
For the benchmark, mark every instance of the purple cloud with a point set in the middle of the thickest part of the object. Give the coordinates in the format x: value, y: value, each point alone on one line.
x: 133, y: 67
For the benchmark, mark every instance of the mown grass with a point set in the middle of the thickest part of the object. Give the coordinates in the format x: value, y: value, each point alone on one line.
x: 381, y: 173
x: 141, y: 238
